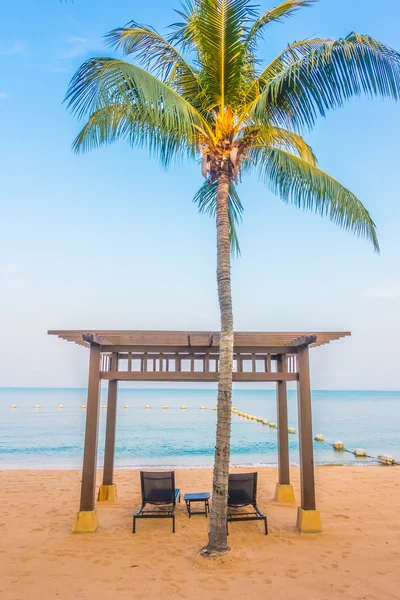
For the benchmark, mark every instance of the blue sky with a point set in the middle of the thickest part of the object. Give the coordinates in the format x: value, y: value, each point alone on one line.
x: 110, y: 240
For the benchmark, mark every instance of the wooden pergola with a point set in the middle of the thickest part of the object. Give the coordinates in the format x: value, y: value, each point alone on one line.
x: 173, y: 356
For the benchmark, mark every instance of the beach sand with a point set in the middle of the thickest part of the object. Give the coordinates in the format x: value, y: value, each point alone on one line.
x: 357, y: 556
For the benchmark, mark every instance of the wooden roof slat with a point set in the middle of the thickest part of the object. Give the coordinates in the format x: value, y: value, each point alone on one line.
x: 197, y: 338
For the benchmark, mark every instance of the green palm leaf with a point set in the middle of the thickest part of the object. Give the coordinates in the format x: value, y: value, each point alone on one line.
x: 220, y: 26
x: 326, y: 77
x: 308, y: 187
x: 151, y: 106
x: 285, y: 9
x: 157, y: 55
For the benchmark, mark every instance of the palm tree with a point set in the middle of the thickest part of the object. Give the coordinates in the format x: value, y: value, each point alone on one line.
x: 200, y: 92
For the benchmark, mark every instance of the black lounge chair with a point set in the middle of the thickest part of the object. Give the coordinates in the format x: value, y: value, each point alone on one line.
x: 158, y: 488
x: 242, y: 492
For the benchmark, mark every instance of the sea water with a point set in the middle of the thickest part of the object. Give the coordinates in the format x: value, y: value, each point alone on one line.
x: 50, y: 437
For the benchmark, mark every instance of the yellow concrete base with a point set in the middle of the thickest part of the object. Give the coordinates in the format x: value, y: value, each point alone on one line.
x: 107, y: 493
x: 284, y: 493
x: 309, y: 521
x: 86, y: 521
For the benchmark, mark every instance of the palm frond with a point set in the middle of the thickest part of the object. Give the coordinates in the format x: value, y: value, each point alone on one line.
x: 294, y: 143
x: 185, y: 33
x: 123, y: 122
x: 308, y: 187
x: 150, y: 106
x: 206, y: 200
x: 158, y: 56
x: 220, y: 28
x: 271, y: 136
x: 285, y: 9
x: 327, y: 76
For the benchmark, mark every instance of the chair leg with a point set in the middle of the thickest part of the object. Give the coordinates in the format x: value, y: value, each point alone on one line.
x: 266, y: 525
x: 134, y: 525
x: 173, y: 524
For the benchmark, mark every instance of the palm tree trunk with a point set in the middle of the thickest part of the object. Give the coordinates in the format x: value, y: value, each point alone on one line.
x: 217, y: 537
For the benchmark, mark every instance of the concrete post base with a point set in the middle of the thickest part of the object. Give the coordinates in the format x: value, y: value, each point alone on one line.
x: 86, y: 521
x: 284, y: 493
x: 107, y: 493
x: 309, y: 521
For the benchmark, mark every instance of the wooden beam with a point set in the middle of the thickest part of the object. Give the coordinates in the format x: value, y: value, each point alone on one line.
x: 156, y: 349
x: 303, y: 340
x: 109, y: 450
x: 305, y: 431
x: 282, y: 418
x: 193, y: 376
x: 88, y: 486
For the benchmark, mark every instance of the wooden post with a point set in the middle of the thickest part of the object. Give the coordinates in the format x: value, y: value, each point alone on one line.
x: 283, y: 491
x: 308, y: 519
x: 283, y: 434
x: 86, y: 519
x: 108, y: 490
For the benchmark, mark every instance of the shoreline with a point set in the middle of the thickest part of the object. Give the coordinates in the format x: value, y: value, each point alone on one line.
x: 368, y: 463
x: 356, y: 556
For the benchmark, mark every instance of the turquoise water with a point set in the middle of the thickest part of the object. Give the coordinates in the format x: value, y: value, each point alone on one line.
x: 51, y: 438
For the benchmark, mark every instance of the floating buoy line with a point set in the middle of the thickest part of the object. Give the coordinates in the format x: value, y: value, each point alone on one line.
x: 337, y: 446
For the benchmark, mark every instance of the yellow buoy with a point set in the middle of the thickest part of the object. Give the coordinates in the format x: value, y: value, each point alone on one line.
x: 165, y: 407
x: 183, y: 407
x: 291, y: 430
x: 360, y: 452
x: 37, y: 405
x: 338, y: 446
x: 83, y: 406
x: 14, y: 406
x: 386, y: 459
x: 203, y: 408
x: 215, y: 408
x: 147, y: 407
x: 273, y: 425
x: 259, y: 419
x: 126, y: 405
x: 319, y: 438
x: 61, y: 406
x: 104, y: 405
x: 265, y: 422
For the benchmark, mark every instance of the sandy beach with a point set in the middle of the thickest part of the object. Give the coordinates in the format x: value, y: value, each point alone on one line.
x: 357, y: 556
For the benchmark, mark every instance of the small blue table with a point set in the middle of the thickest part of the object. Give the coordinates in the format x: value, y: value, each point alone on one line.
x: 197, y: 497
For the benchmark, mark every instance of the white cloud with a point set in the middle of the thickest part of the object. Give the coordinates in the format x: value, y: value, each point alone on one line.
x: 388, y: 290
x: 78, y: 46
x: 3, y: 95
x: 16, y: 47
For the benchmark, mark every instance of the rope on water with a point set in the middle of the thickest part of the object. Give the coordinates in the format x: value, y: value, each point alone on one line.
x: 337, y: 446
x: 358, y: 453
